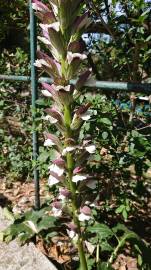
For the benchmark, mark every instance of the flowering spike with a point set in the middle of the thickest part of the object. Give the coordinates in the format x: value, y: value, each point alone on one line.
x: 61, y: 27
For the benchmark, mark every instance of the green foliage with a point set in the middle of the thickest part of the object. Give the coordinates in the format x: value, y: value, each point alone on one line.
x: 15, y: 118
x: 13, y: 24
x: 30, y: 224
x: 113, y: 240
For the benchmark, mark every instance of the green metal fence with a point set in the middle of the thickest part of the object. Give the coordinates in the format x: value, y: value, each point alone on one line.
x: 33, y: 80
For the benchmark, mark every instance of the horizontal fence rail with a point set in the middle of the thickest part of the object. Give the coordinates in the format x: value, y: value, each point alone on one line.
x: 104, y: 85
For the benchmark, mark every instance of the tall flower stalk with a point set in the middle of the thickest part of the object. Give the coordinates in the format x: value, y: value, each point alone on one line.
x: 62, y: 26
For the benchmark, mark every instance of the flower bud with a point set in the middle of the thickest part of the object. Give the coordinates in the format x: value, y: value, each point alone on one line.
x: 85, y: 214
x: 58, y: 116
x: 52, y: 140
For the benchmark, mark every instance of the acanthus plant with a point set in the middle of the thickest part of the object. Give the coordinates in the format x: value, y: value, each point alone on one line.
x: 62, y: 26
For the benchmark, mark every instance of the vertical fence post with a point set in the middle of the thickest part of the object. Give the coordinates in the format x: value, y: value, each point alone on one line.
x: 34, y: 90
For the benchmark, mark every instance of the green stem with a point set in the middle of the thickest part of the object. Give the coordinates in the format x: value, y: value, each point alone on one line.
x: 70, y: 168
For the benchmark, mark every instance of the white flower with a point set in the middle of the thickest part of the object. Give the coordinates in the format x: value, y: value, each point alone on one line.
x: 56, y: 212
x: 46, y: 93
x: 36, y: 7
x: 83, y: 217
x: 55, y: 26
x: 68, y: 149
x: 73, y: 235
x: 49, y: 143
x: 52, y: 181
x: 56, y: 169
x: 78, y: 177
x: 41, y: 62
x: 71, y: 56
x: 44, y: 40
x: 90, y: 148
x: 50, y: 119
x: 66, y: 88
x: 86, y: 116
x: 62, y: 197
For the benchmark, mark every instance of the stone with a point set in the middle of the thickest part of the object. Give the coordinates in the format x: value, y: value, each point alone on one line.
x: 4, y: 223
x: 16, y: 257
x: 27, y: 257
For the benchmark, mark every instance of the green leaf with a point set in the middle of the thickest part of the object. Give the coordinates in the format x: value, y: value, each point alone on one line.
x: 124, y: 214
x: 43, y: 157
x: 41, y: 102
x: 50, y: 235
x: 104, y: 266
x: 9, y: 215
x: 103, y: 230
x: 105, y: 121
x: 139, y: 260
x: 46, y: 223
x: 104, y: 135
x: 119, y: 227
x: 120, y: 209
x: 105, y: 246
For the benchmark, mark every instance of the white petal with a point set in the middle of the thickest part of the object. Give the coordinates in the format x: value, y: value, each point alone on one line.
x: 50, y: 119
x: 35, y: 7
x: 52, y: 181
x: 44, y: 40
x: 55, y: 8
x: 71, y: 56
x: 56, y: 169
x: 66, y: 88
x: 55, y: 26
x: 83, y: 217
x: 59, y: 87
x: 44, y: 63
x: 56, y: 212
x: 46, y: 93
x: 38, y: 63
x: 71, y: 234
x: 68, y: 149
x: 44, y: 26
x: 86, y: 116
x: 78, y: 177
x: 61, y: 197
x: 91, y: 149
x: 48, y: 142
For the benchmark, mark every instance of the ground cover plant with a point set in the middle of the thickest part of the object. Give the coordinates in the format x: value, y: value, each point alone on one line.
x: 121, y: 135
